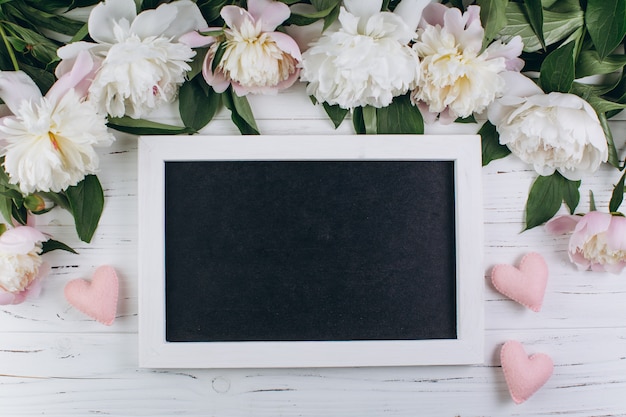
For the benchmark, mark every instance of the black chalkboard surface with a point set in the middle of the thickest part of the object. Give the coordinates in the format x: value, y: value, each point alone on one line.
x: 309, y: 250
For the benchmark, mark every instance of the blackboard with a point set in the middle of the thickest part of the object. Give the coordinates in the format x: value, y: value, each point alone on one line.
x: 309, y: 250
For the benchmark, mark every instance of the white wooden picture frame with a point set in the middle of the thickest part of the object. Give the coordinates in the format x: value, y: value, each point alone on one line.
x: 467, y: 348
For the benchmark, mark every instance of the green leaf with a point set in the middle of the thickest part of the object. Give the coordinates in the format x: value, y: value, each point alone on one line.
x: 51, y: 21
x: 303, y: 19
x: 617, y: 197
x: 240, y: 112
x: 557, y: 70
x: 219, y: 54
x: 197, y: 63
x: 325, y: 4
x: 145, y: 127
x: 211, y: 9
x: 58, y: 199
x: 534, y: 10
x: 197, y: 103
x: 557, y: 24
x: 613, y: 157
x: 335, y: 113
x: 370, y: 120
x: 6, y: 206
x: 400, y: 117
x: 493, y: 17
x: 606, y: 24
x: 51, y: 244
x: 357, y: 121
x: 20, y: 214
x: 589, y: 63
x: 41, y: 48
x: 80, y: 34
x: 490, y: 141
x: 332, y: 17
x: 86, y: 203
x: 468, y: 119
x: 592, y: 202
x: 546, y: 196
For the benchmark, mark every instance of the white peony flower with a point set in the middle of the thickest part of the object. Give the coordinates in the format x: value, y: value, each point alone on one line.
x: 553, y: 131
x: 257, y: 59
x: 457, y: 79
x: 141, y: 62
x: 20, y: 262
x: 366, y: 61
x: 48, y: 142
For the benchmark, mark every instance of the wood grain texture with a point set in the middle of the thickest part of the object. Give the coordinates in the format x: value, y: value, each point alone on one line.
x: 55, y: 361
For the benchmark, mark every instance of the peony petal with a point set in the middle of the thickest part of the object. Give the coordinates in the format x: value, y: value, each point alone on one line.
x: 17, y: 87
x: 269, y: 12
x: 214, y: 79
x: 7, y: 298
x: 68, y: 55
x: 171, y: 20
x: 510, y: 52
x: 20, y: 239
x: 363, y: 8
x: 235, y: 16
x: 79, y: 78
x: 411, y: 11
x: 428, y: 116
x: 594, y: 222
x: 465, y: 27
x: 286, y: 43
x: 305, y: 35
x: 196, y: 40
x: 433, y: 15
x: 562, y: 224
x: 519, y: 85
x: 616, y: 235
x: 106, y: 15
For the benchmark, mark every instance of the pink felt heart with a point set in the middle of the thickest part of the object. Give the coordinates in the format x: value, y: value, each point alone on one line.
x: 524, y: 375
x: 526, y: 285
x: 97, y: 299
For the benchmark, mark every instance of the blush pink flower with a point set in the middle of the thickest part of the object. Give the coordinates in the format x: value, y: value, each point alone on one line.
x: 598, y: 241
x: 256, y: 58
x: 459, y: 78
x: 21, y: 266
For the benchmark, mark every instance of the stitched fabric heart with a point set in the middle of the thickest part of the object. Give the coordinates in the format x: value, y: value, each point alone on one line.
x: 524, y: 375
x: 98, y: 298
x: 526, y: 284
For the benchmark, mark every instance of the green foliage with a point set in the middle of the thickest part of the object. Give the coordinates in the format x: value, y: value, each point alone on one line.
x: 490, y: 141
x: 335, y: 113
x: 198, y: 103
x: 563, y: 19
x: 534, y: 11
x: 557, y: 70
x: 51, y: 244
x: 86, y: 201
x: 617, y: 197
x: 145, y: 127
x: 546, y: 196
x: 240, y: 112
x: 400, y: 117
x: 606, y: 23
x: 493, y: 17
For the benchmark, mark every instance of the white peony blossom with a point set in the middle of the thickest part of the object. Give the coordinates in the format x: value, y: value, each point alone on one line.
x: 48, y: 142
x: 141, y: 62
x: 256, y: 58
x: 553, y: 131
x: 50, y: 146
x: 457, y: 77
x: 20, y: 262
x: 366, y: 61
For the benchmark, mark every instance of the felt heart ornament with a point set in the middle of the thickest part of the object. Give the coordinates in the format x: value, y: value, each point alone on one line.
x: 524, y: 375
x: 526, y: 284
x: 98, y: 298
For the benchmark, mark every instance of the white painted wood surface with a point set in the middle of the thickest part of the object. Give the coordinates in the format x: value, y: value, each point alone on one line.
x: 56, y: 362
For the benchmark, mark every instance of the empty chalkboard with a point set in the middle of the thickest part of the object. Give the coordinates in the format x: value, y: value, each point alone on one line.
x: 309, y: 250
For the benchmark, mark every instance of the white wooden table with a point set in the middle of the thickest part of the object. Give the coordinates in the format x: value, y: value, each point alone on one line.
x: 55, y: 361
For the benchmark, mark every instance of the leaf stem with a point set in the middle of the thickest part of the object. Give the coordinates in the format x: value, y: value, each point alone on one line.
x: 9, y: 48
